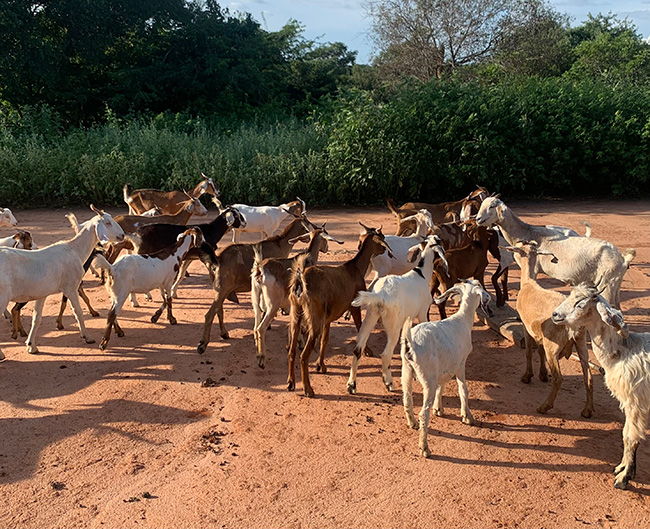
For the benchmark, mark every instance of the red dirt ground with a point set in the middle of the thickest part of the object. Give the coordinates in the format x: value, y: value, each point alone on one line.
x: 130, y: 438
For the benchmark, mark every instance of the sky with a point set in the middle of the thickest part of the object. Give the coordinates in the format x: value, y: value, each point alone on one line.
x: 346, y: 20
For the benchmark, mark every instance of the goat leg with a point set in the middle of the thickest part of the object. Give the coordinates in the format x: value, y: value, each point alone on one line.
x: 16, y: 323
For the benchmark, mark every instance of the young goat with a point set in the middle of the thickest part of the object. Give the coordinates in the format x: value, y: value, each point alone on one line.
x: 170, y: 202
x: 434, y: 352
x: 230, y: 271
x: 270, y: 284
x: 142, y: 273
x: 321, y: 294
x: 625, y: 356
x: 398, y: 262
x: 265, y: 219
x: 535, y: 306
x: 394, y: 298
x: 7, y: 218
x: 155, y: 237
x: 35, y: 274
x: 21, y: 239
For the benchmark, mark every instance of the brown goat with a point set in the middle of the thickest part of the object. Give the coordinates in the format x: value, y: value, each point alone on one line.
x: 230, y: 270
x: 141, y: 200
x: 321, y: 294
x: 463, y: 263
x: 440, y: 213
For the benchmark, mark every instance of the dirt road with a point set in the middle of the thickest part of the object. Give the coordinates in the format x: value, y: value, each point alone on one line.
x: 131, y: 438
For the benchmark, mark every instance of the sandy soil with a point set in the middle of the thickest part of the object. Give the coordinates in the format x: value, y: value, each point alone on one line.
x: 131, y: 438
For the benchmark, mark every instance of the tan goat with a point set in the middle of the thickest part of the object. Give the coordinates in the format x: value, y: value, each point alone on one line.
x: 170, y: 202
x: 535, y: 306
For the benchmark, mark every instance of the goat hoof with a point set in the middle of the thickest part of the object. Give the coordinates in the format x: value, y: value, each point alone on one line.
x: 468, y: 420
x: 543, y: 408
x: 438, y: 412
x: 291, y: 385
x: 59, y: 326
x: 14, y: 336
x: 308, y: 393
x: 202, y: 347
x: 24, y: 334
x: 32, y: 349
x: 94, y: 314
x: 621, y: 484
x: 320, y: 368
x: 120, y: 333
x: 425, y: 452
x: 389, y: 386
x: 368, y: 352
x: 89, y: 340
x: 154, y: 318
x: 173, y: 321
x: 352, y: 389
x: 225, y: 335
x: 526, y: 378
x: 586, y: 413
x: 261, y: 361
x: 543, y: 377
x: 102, y: 345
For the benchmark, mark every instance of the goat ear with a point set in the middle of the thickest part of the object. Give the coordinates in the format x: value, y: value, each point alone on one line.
x: 301, y: 238
x: 612, y: 317
x: 445, y: 295
x: 413, y: 253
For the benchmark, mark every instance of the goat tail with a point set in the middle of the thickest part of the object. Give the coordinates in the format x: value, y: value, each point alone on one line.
x: 297, y: 282
x: 628, y: 255
x: 72, y: 218
x: 407, y: 340
x: 257, y: 271
x: 587, y: 226
x: 391, y: 205
x: 367, y: 300
x: 101, y: 262
x: 126, y: 191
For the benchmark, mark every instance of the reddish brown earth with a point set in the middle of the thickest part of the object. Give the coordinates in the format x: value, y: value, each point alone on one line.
x: 130, y: 438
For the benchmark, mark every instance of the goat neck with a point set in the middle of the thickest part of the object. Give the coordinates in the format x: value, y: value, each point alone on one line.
x: 294, y: 229
x: 369, y: 248
x: 527, y: 263
x: 315, y: 246
x: 512, y: 227
x: 85, y: 240
x: 468, y: 305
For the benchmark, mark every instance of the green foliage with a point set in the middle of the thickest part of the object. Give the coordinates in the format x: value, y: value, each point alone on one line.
x: 431, y: 142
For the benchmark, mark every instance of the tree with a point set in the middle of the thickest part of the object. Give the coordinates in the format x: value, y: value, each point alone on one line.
x: 425, y: 38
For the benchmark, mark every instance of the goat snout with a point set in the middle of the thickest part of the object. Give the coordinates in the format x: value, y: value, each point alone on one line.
x: 557, y: 317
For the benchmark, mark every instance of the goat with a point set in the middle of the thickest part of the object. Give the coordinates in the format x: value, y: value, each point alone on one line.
x: 142, y: 273
x: 17, y: 326
x: 265, y: 219
x: 394, y: 298
x: 321, y: 294
x: 7, y: 218
x: 22, y: 240
x: 155, y: 237
x: 141, y: 200
x: 27, y: 275
x: 467, y: 262
x: 399, y: 263
x: 191, y: 206
x: 270, y: 284
x: 535, y: 306
x: 439, y: 212
x: 579, y: 259
x: 230, y: 271
x: 625, y: 356
x: 434, y: 352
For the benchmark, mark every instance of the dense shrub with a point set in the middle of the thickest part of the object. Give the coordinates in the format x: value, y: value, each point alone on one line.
x: 430, y: 142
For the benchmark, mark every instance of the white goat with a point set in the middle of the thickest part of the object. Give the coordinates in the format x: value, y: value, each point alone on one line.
x: 435, y: 352
x: 142, y: 273
x: 394, y: 298
x: 399, y: 263
x: 579, y: 259
x: 27, y: 275
x: 7, y: 218
x: 264, y: 219
x: 625, y: 356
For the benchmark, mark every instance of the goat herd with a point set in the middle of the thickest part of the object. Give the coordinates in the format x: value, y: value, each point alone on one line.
x: 438, y: 249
